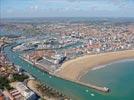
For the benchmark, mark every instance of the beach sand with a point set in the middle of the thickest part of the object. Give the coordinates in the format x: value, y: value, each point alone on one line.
x: 74, y: 69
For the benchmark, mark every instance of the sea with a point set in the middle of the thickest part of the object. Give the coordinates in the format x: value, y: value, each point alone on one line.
x: 118, y: 76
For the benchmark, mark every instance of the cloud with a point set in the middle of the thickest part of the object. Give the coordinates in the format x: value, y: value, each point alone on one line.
x: 67, y: 8
x: 34, y: 8
x: 81, y: 0
x: 118, y: 3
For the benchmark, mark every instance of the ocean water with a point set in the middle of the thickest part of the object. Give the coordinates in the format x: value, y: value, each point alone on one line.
x: 118, y: 76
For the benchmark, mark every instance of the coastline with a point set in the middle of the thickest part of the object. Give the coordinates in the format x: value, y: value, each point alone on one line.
x: 113, y: 62
x: 128, y: 54
x: 76, y: 68
x: 99, y: 88
x: 125, y: 55
x: 105, y: 65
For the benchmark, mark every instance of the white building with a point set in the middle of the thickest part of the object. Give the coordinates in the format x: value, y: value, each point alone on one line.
x: 27, y: 93
x: 56, y: 59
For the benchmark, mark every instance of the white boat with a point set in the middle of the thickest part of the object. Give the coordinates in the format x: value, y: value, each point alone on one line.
x: 87, y: 91
x: 50, y: 76
x: 92, y: 94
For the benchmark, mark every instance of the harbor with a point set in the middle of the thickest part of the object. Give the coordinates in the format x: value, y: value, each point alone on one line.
x: 82, y: 92
x: 98, y: 88
x: 31, y: 70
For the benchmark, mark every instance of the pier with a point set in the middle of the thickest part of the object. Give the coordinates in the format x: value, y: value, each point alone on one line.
x: 102, y: 89
x: 92, y: 86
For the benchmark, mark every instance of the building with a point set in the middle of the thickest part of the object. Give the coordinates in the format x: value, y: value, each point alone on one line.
x: 1, y: 95
x: 27, y: 93
x: 56, y: 59
x: 13, y: 95
x: 18, y: 68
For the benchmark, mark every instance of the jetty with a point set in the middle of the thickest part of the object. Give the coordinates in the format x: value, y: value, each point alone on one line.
x: 92, y: 86
x: 102, y: 89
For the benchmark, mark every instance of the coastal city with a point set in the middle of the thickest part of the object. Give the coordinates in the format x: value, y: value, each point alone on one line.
x: 16, y: 84
x: 67, y: 41
x: 66, y: 49
x: 48, y: 52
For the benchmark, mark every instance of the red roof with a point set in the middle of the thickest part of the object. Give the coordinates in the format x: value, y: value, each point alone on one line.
x: 1, y: 97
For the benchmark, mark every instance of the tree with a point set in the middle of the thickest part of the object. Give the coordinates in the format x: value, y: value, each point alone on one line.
x: 4, y: 83
x: 18, y: 77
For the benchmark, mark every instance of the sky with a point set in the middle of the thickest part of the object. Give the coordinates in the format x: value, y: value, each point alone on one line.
x: 66, y: 8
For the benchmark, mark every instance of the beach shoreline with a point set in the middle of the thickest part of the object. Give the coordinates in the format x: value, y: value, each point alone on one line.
x: 113, y: 62
x: 77, y: 68
x: 105, y: 65
x: 128, y: 54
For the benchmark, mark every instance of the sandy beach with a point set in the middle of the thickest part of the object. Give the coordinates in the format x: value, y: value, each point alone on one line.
x: 74, y: 69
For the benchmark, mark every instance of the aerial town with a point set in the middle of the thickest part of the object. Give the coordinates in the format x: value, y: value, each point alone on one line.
x: 49, y: 45
x: 16, y: 84
x: 66, y: 49
x: 69, y: 40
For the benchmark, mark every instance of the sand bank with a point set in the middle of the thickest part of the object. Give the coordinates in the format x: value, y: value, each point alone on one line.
x: 76, y: 68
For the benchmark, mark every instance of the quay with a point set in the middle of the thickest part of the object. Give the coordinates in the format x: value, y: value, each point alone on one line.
x: 36, y: 65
